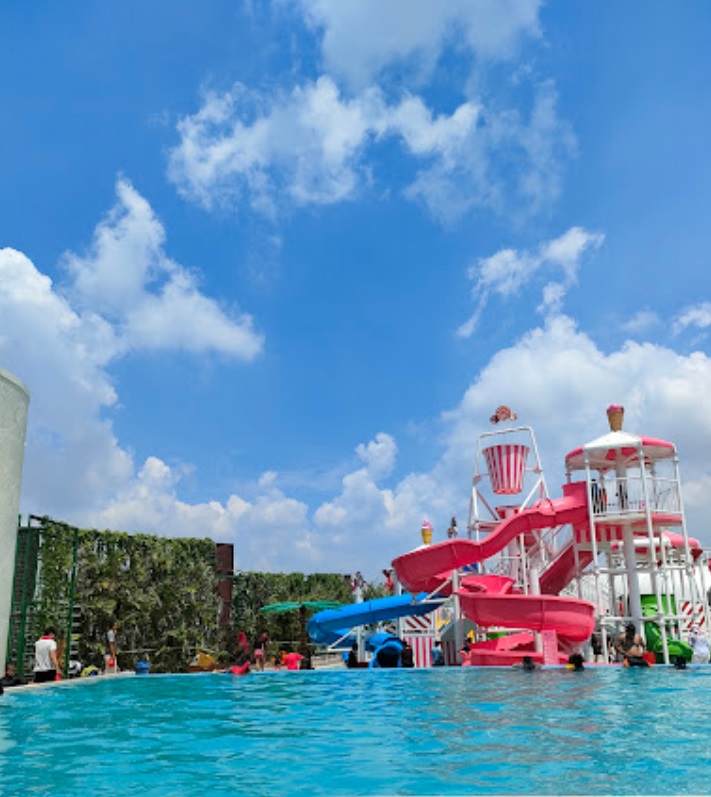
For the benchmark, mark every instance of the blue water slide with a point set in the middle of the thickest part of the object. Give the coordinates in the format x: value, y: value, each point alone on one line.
x: 328, y: 626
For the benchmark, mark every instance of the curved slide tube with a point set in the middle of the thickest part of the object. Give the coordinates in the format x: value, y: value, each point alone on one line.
x: 330, y: 625
x: 653, y: 636
x: 571, y: 618
x: 561, y: 570
x: 417, y: 569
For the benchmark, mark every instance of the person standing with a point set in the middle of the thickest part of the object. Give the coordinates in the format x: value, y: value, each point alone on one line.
x: 111, y: 663
x: 700, y: 644
x: 630, y: 646
x: 437, y: 655
x: 352, y: 660
x: 46, y: 664
x: 260, y: 650
x: 357, y: 586
x: 407, y: 656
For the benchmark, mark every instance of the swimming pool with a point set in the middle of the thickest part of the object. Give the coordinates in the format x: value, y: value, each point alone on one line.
x: 411, y: 732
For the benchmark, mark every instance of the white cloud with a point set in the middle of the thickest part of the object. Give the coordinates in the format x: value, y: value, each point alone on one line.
x: 311, y: 147
x: 379, y: 454
x: 124, y: 295
x: 506, y: 272
x: 555, y: 377
x: 361, y: 40
x: 151, y: 301
x: 560, y: 383
x: 641, y: 322
x: 697, y: 316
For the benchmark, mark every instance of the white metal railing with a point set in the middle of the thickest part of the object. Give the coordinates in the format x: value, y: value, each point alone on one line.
x: 624, y: 495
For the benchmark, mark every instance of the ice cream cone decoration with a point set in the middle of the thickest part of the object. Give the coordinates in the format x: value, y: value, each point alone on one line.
x: 426, y: 532
x: 615, y: 416
x: 503, y: 413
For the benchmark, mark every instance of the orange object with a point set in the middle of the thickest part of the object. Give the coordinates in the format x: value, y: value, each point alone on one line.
x: 111, y: 662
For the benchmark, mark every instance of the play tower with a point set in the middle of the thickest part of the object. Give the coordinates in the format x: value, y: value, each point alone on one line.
x: 635, y: 546
x: 537, y: 575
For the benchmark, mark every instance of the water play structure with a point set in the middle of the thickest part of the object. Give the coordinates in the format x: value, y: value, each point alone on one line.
x: 14, y: 399
x: 536, y: 575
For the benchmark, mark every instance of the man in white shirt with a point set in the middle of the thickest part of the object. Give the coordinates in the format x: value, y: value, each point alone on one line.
x: 46, y: 664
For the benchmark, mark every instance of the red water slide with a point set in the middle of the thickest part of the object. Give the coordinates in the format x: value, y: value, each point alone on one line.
x: 561, y: 570
x: 573, y: 620
x: 419, y: 569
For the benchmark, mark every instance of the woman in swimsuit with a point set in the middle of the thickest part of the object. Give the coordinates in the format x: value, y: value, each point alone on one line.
x: 631, y: 646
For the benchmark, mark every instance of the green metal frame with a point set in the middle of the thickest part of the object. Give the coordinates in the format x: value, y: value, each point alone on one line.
x: 29, y: 539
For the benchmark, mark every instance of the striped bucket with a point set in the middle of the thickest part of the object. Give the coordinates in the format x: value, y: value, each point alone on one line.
x: 506, y: 465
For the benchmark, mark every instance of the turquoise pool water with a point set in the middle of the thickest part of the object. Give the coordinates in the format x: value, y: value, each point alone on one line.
x: 409, y: 732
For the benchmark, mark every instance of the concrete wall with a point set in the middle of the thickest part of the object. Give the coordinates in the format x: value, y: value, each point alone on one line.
x: 14, y: 398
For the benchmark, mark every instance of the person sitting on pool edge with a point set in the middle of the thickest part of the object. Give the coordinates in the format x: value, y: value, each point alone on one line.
x: 631, y: 645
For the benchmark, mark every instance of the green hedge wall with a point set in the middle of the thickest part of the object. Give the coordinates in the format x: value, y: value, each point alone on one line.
x: 162, y: 592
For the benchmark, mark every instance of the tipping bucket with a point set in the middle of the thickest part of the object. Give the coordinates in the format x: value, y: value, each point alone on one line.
x: 506, y: 465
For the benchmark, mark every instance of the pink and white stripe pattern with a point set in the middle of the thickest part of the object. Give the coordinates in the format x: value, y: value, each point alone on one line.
x: 421, y: 647
x: 693, y: 615
x: 506, y: 465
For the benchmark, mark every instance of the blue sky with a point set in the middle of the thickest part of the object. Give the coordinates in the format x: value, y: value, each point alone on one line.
x: 268, y: 268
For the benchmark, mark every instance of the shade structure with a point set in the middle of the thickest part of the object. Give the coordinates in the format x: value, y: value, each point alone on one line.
x: 302, y: 607
x: 291, y: 606
x: 602, y: 453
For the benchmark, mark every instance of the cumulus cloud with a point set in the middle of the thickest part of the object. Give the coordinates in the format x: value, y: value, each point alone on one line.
x: 379, y: 454
x: 151, y: 302
x: 361, y: 40
x: 555, y: 376
x: 124, y: 295
x: 506, y: 272
x: 560, y: 382
x: 311, y: 147
x: 318, y: 142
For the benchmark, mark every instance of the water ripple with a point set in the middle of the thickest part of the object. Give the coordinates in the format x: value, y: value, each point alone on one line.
x: 448, y: 732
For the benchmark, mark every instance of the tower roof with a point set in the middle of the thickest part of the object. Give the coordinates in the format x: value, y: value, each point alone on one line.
x: 603, y: 452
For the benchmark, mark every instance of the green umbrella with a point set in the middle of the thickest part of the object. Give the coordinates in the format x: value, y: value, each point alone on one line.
x: 302, y: 607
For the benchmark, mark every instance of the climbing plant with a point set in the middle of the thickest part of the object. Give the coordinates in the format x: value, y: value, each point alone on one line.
x: 161, y: 591
x: 254, y: 590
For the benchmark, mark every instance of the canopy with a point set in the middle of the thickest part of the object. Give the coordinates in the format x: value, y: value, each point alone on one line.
x: 602, y: 452
x: 291, y: 606
x: 302, y: 607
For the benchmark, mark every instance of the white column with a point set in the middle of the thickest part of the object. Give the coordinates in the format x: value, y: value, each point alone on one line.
x: 14, y: 398
x: 633, y: 595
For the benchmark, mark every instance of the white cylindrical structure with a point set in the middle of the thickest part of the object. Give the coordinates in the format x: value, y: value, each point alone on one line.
x: 14, y: 399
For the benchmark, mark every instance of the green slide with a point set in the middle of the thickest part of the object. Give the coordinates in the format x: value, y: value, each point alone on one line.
x: 654, y: 636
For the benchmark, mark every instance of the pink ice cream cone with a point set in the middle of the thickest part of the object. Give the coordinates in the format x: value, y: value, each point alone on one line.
x: 615, y: 416
x: 426, y: 532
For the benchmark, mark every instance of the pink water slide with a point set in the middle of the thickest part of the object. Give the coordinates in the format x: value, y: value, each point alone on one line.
x: 570, y: 618
x: 418, y: 569
x: 485, y: 604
